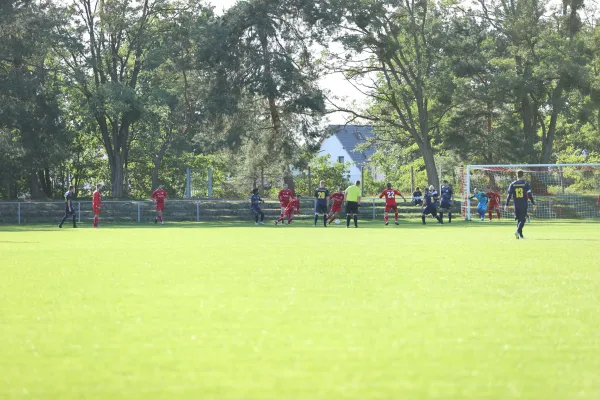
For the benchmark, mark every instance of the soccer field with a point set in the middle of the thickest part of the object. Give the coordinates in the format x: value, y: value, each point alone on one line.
x: 199, y: 311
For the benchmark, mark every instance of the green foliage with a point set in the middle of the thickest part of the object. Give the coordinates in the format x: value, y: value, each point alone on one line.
x: 334, y: 174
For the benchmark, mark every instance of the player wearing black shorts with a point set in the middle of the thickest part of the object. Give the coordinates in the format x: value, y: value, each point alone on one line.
x: 520, y: 192
x: 322, y: 198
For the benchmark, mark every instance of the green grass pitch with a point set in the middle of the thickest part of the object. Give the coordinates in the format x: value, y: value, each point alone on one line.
x: 198, y: 311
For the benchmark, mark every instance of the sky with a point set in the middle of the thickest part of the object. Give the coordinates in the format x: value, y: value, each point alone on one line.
x: 336, y: 84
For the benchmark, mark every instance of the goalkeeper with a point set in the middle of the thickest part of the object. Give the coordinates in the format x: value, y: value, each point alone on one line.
x: 482, y: 202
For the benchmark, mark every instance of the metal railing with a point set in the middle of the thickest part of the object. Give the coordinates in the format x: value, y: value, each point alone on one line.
x: 142, y: 211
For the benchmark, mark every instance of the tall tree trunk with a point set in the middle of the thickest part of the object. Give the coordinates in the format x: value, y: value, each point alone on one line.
x: 548, y: 141
x: 529, y: 126
x: 428, y: 158
x: 34, y: 185
x: 117, y: 175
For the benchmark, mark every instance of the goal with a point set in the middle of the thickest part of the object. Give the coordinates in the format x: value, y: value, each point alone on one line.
x: 561, y: 191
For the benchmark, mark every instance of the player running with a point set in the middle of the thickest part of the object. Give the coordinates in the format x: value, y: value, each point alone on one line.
x: 482, y: 202
x: 159, y: 196
x: 336, y: 206
x: 390, y: 203
x: 446, y: 203
x: 255, y: 202
x: 494, y: 203
x: 429, y: 206
x: 520, y: 191
x: 97, y: 205
x: 69, y: 208
x: 285, y: 195
x: 292, y: 206
x: 322, y: 196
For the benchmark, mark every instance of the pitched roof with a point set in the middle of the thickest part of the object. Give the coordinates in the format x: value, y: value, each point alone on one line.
x: 351, y: 136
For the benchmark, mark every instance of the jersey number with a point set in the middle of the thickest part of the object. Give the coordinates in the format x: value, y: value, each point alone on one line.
x: 519, y: 193
x: 391, y: 195
x: 321, y: 195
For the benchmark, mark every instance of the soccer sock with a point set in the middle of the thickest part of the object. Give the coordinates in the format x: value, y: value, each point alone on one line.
x: 385, y: 218
x: 332, y: 218
x: 256, y: 218
x: 316, y: 218
x: 64, y: 219
x: 423, y: 219
x: 96, y: 221
x: 348, y: 220
x: 324, y: 219
x: 498, y: 213
x: 520, y: 226
x: 280, y: 219
x: 74, y: 223
x: 262, y: 217
x: 490, y: 215
x: 396, y: 216
x: 442, y: 215
x: 355, y: 220
x: 160, y: 218
x: 449, y: 217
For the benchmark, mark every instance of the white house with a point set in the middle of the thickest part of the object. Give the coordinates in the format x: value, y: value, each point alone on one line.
x: 341, y: 147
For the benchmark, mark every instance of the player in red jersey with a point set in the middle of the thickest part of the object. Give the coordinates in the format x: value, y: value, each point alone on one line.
x: 390, y: 202
x: 285, y: 195
x: 158, y: 197
x: 97, y: 205
x: 336, y: 206
x: 494, y: 203
x: 292, y: 207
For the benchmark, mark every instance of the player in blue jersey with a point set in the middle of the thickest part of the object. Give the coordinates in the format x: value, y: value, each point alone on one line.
x: 69, y: 207
x: 322, y: 197
x: 520, y: 192
x: 429, y: 206
x: 446, y: 203
x: 255, y: 202
x: 482, y: 202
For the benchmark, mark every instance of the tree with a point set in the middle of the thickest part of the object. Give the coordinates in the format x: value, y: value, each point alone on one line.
x: 108, y: 45
x: 30, y: 111
x: 394, y: 53
x: 265, y: 54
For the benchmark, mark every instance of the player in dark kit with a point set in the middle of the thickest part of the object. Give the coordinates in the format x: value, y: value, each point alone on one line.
x: 446, y: 203
x: 520, y: 192
x: 429, y: 206
x: 322, y: 196
x: 69, y: 208
x: 255, y: 202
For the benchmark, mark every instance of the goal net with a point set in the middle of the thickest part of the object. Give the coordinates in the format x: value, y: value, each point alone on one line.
x: 561, y: 191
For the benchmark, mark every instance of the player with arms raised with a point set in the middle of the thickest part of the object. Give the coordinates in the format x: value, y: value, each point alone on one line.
x: 520, y: 192
x: 285, y: 195
x: 390, y: 203
x: 336, y: 206
x: 293, y: 206
x: 97, y: 205
x: 159, y: 196
x: 494, y: 203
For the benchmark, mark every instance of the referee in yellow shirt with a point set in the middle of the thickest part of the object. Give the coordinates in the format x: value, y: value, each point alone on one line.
x: 352, y: 199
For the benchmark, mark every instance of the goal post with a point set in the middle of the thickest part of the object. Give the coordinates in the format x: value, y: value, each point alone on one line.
x: 562, y: 191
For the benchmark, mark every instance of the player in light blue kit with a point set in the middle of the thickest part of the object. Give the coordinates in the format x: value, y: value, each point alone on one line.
x: 482, y: 202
